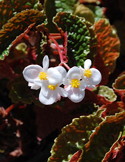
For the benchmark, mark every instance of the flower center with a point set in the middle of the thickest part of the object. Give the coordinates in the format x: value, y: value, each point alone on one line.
x: 75, y: 83
x: 88, y: 73
x: 52, y: 87
x: 43, y: 76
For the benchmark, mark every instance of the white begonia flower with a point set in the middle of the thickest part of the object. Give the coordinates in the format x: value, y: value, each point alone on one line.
x: 37, y: 75
x: 90, y: 76
x: 50, y: 94
x: 74, y: 86
x: 48, y: 79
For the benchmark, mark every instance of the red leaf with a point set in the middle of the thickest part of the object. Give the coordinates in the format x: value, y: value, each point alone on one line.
x: 76, y: 156
x: 112, y: 108
x: 99, y: 64
x: 108, y: 43
x: 119, y: 85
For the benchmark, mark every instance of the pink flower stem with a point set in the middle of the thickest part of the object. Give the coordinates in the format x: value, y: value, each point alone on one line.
x: 58, y: 48
x: 65, y: 65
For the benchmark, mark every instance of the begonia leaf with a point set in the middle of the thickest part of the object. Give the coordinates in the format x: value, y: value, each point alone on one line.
x: 89, y: 1
x: 83, y: 11
x: 65, y: 5
x: 117, y: 151
x: 81, y: 39
x: 26, y: 45
x: 119, y: 85
x: 54, y: 6
x: 17, y: 24
x: 103, y: 138
x: 76, y: 156
x: 99, y: 64
x: 20, y: 92
x: 9, y: 7
x: 112, y: 108
x: 106, y: 92
x: 108, y: 43
x: 73, y: 137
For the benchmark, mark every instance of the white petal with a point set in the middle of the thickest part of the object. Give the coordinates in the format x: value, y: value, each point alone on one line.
x: 33, y: 86
x: 45, y: 62
x: 39, y: 82
x: 61, y: 70
x: 45, y: 91
x: 62, y: 92
x: 82, y: 85
x: 74, y: 73
x: 75, y: 94
x: 54, y: 76
x: 31, y: 72
x: 87, y: 64
x: 47, y: 100
x: 96, y: 76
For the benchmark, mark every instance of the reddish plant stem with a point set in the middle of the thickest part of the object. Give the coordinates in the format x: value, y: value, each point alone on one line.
x: 11, y: 107
x: 65, y: 43
x: 65, y: 65
x: 55, y: 37
x: 58, y: 48
x: 61, y: 49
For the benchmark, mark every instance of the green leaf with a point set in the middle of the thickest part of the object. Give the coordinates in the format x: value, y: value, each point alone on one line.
x: 4, y: 53
x: 103, y: 138
x: 64, y: 5
x: 83, y: 11
x: 54, y: 6
x: 81, y: 38
x: 20, y: 92
x: 17, y: 25
x: 73, y: 137
x: 106, y: 92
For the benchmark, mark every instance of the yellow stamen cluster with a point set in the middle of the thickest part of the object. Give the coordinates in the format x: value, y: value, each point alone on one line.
x: 88, y: 73
x: 42, y: 76
x: 52, y: 87
x: 75, y: 83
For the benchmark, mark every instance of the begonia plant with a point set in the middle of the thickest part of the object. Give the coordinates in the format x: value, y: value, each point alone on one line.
x: 62, y: 90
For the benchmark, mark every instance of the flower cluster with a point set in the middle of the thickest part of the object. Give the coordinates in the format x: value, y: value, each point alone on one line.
x: 55, y: 82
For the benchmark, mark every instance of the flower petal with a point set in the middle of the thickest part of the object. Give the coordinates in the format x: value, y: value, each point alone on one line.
x: 31, y: 72
x: 87, y: 64
x: 45, y: 62
x: 54, y: 76
x: 62, y: 92
x: 74, y: 73
x: 96, y: 76
x: 47, y: 100
x: 61, y: 70
x: 33, y: 86
x: 75, y: 94
x: 45, y: 91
